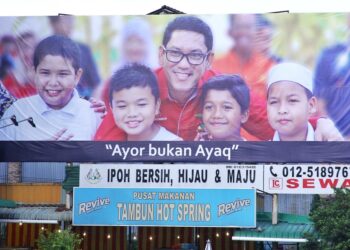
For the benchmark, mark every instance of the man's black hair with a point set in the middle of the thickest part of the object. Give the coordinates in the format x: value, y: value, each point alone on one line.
x: 133, y: 75
x: 57, y: 45
x: 232, y: 83
x: 189, y: 23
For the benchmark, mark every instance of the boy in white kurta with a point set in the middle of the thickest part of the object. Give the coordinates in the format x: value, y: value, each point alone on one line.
x: 290, y: 102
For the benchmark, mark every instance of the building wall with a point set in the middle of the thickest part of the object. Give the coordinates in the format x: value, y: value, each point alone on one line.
x: 25, y: 235
x: 31, y: 193
x: 299, y: 204
x: 97, y: 237
x: 172, y: 237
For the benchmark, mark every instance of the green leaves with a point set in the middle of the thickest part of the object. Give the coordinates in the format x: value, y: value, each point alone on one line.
x: 59, y: 240
x: 331, y: 217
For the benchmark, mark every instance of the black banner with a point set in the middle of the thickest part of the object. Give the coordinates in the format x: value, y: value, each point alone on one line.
x: 245, y: 152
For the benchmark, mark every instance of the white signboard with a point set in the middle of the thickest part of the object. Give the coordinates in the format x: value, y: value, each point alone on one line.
x: 273, y: 179
x: 208, y: 176
x: 305, y: 178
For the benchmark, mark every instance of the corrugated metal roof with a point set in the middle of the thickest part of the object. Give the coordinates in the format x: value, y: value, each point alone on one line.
x: 289, y: 227
x: 43, y: 172
x: 8, y: 203
x: 3, y: 172
x: 283, y: 217
x: 36, y: 213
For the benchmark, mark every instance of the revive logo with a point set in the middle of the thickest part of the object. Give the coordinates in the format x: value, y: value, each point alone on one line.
x: 90, y: 206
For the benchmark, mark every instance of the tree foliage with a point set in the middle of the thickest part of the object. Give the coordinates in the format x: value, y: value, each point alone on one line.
x: 331, y: 217
x: 59, y: 240
x: 301, y: 37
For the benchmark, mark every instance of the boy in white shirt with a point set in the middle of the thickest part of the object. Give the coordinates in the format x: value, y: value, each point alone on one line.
x: 57, y: 111
x: 290, y: 102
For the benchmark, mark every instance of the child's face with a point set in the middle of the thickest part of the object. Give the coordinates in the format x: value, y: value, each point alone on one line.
x: 222, y: 115
x: 55, y: 80
x: 134, y: 110
x: 288, y: 110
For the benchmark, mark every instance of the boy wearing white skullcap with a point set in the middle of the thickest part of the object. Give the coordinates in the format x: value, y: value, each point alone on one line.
x: 290, y: 102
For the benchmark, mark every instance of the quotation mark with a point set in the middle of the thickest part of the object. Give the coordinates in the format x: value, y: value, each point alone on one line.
x: 109, y: 146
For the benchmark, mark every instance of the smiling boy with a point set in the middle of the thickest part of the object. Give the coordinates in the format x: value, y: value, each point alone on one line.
x: 135, y: 102
x: 57, y: 110
x: 290, y: 102
x: 225, y: 107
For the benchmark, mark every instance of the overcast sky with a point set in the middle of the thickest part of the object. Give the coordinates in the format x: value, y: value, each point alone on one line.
x: 127, y: 7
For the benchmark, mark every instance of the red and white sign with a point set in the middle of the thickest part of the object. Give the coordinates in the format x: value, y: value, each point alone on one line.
x: 305, y: 178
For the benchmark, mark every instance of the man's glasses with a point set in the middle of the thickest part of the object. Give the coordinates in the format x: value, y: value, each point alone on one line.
x: 193, y: 58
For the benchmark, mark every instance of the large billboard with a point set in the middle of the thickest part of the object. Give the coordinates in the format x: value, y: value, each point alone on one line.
x: 209, y: 88
x: 162, y: 207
